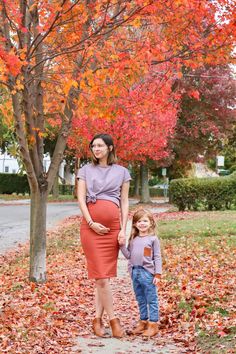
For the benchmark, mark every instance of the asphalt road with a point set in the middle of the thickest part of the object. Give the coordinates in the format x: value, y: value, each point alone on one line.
x: 14, y: 221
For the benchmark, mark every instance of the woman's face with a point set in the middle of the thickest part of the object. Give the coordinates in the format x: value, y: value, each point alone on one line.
x: 100, y: 149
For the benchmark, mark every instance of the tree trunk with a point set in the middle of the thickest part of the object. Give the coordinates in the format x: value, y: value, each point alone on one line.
x: 77, y: 164
x: 38, y: 208
x: 55, y: 188
x: 137, y: 182
x: 145, y: 194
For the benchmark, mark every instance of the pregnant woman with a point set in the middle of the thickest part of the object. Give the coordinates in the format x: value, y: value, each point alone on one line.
x: 103, y: 199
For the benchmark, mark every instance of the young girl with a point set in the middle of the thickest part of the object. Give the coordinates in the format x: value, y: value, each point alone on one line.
x: 145, y: 267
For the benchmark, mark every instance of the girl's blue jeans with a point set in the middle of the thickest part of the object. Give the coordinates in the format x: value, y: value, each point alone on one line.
x: 146, y: 294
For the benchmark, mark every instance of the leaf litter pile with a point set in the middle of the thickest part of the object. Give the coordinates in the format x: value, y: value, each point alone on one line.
x: 196, y: 294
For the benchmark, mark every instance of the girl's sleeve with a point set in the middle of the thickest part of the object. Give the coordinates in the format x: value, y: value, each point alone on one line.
x: 82, y: 173
x: 126, y: 251
x: 157, y: 256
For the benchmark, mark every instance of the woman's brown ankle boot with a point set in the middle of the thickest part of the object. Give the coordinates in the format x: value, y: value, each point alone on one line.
x: 116, y: 328
x: 98, y: 327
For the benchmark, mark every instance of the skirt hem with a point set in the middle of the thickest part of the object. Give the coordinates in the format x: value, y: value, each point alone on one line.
x: 103, y: 277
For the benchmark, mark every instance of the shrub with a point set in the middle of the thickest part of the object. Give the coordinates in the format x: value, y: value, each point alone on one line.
x: 66, y: 189
x: 207, y: 193
x: 153, y: 181
x: 13, y: 183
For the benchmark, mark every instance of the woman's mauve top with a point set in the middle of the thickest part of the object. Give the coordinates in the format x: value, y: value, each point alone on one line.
x: 104, y: 182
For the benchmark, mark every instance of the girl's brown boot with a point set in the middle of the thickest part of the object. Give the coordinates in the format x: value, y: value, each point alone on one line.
x: 152, y: 329
x: 140, y: 328
x: 116, y: 328
x: 98, y: 328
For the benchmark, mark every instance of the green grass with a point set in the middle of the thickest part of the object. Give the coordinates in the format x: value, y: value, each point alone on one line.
x: 186, y: 306
x: 14, y: 196
x: 9, y: 197
x: 222, y: 312
x: 214, y: 344
x: 61, y: 198
x: 207, y: 224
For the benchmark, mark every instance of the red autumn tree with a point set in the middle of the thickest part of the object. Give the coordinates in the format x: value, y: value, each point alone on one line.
x: 146, y: 117
x: 207, y: 115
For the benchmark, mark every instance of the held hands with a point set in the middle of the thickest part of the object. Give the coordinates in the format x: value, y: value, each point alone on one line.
x: 99, y: 228
x: 121, y: 238
x: 156, y: 279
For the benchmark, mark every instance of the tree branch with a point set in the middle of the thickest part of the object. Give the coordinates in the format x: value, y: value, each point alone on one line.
x: 24, y: 150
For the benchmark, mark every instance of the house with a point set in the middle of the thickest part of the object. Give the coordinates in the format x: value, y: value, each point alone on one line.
x: 9, y: 164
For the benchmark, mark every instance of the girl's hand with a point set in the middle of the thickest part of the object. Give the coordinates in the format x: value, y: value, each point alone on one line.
x: 99, y: 228
x: 121, y: 238
x: 121, y: 241
x: 156, y: 279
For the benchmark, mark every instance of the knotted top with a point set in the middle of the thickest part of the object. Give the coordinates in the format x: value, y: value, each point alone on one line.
x: 103, y: 182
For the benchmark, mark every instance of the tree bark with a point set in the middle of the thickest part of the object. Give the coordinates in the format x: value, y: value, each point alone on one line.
x: 38, y: 209
x: 145, y: 194
x: 137, y: 182
x: 77, y: 164
x: 55, y: 188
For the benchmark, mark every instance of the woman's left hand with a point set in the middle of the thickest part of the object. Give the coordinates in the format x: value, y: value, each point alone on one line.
x: 121, y: 238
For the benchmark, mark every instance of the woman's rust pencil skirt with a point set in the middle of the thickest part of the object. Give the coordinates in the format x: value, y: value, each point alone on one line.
x: 101, y: 251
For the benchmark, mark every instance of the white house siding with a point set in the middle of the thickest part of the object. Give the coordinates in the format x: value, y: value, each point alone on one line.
x: 8, y: 164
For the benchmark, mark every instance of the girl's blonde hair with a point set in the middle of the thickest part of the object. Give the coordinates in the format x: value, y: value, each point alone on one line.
x: 136, y: 217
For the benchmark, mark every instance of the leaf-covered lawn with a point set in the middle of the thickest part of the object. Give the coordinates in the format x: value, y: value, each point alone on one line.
x: 197, y: 292
x: 197, y: 224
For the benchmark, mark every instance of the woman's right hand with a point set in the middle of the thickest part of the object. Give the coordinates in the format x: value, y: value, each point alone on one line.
x: 99, y: 228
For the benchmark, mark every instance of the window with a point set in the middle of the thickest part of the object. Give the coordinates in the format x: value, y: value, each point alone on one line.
x: 6, y: 169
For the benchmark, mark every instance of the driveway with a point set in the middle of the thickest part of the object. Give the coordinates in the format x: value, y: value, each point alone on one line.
x: 14, y: 220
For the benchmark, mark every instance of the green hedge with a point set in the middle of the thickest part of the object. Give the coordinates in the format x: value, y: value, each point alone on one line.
x: 203, y: 193
x: 66, y: 189
x: 154, y: 192
x: 13, y: 183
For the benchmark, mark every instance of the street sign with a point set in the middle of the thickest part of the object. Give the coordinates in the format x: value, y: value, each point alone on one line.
x: 220, y: 161
x: 163, y: 171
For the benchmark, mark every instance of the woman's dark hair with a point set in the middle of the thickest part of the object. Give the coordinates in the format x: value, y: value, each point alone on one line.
x: 109, y: 142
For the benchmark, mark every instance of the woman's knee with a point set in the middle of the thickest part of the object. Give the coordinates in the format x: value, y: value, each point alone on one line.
x: 101, y: 283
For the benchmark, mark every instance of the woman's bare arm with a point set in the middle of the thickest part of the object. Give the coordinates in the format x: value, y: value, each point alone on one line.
x: 81, y: 194
x: 124, y: 206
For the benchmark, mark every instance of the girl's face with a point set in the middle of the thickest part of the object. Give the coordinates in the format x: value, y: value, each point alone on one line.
x: 143, y: 225
x: 100, y: 149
